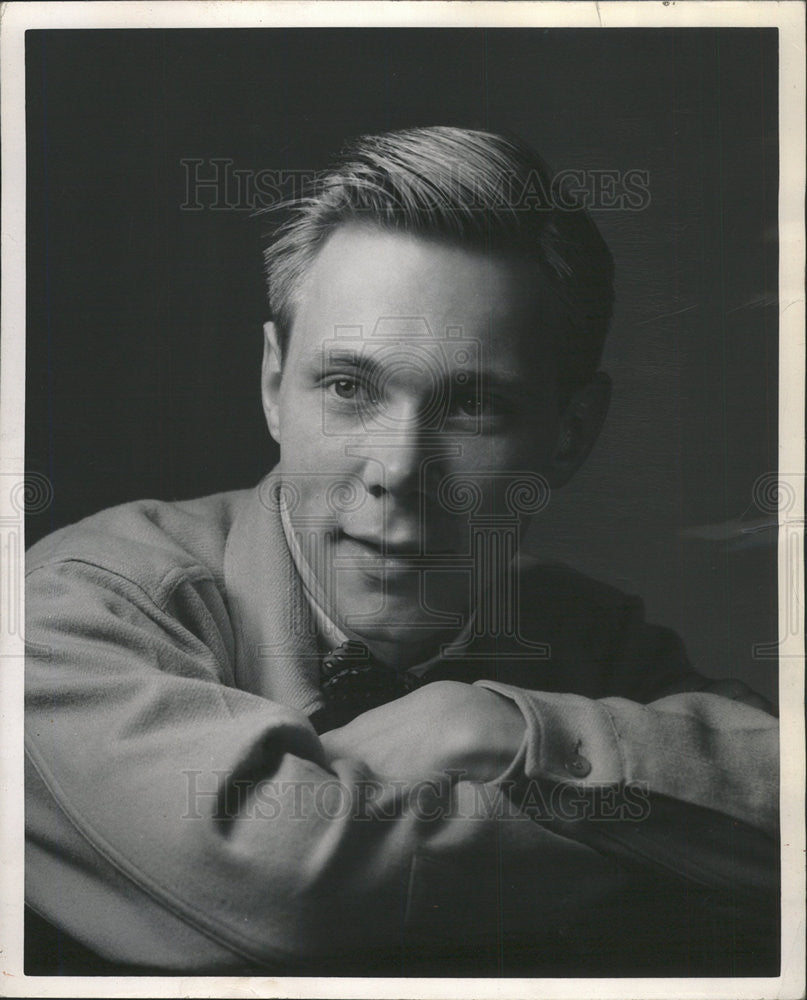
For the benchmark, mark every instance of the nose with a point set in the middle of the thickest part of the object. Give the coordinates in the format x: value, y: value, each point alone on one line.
x: 402, y: 457
x: 398, y: 467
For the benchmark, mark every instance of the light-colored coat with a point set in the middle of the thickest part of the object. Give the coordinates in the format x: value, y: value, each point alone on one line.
x: 182, y: 815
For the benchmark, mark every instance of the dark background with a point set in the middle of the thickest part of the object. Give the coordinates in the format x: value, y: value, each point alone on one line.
x: 144, y: 318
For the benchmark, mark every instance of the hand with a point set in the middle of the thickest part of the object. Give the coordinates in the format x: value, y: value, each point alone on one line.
x: 441, y: 726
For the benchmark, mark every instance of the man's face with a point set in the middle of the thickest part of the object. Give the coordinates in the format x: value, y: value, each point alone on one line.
x: 418, y: 384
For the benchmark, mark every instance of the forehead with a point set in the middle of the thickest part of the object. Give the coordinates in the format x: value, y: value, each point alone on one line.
x: 371, y: 284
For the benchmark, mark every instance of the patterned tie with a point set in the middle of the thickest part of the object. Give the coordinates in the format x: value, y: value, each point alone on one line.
x: 353, y: 681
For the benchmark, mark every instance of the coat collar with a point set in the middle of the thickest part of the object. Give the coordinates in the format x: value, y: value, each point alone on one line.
x: 276, y: 653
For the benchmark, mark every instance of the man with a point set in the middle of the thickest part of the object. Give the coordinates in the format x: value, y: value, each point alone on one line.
x: 336, y: 724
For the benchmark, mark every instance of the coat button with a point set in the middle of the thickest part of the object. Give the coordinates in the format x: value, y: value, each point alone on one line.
x: 578, y: 766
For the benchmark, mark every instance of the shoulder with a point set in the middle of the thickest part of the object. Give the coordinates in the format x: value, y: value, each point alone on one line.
x: 145, y: 540
x: 553, y: 585
x: 599, y: 638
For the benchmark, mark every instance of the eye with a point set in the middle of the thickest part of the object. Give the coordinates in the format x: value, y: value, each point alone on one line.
x: 345, y: 388
x: 467, y: 398
x: 468, y: 401
x: 473, y: 402
x: 350, y: 388
x: 470, y: 404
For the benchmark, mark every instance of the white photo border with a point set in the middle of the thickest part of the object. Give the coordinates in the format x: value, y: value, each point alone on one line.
x: 789, y: 18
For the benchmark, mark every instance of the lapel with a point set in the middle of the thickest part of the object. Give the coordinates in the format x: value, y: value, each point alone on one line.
x: 275, y: 639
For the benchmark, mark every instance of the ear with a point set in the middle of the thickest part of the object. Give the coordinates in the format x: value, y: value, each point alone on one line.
x: 271, y: 374
x: 579, y: 427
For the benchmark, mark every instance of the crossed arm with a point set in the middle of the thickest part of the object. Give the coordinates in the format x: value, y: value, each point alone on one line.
x: 178, y: 822
x: 443, y: 727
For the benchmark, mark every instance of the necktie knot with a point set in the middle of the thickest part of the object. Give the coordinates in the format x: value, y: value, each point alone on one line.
x: 354, y: 681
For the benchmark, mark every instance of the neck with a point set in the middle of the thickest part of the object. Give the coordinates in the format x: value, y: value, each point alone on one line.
x: 402, y: 652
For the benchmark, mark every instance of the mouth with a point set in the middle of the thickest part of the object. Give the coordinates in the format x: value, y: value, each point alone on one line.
x: 403, y: 552
x: 375, y: 553
x: 398, y: 568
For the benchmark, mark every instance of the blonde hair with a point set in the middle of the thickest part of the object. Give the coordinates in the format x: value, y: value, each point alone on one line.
x: 471, y: 188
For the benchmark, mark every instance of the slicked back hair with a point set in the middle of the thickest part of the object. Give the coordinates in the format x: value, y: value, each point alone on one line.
x: 468, y: 188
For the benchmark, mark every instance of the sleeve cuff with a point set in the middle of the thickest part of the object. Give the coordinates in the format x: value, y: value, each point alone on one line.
x: 698, y: 748
x: 568, y: 738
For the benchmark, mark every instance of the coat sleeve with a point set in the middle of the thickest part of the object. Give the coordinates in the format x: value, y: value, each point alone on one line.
x: 175, y: 822
x: 697, y: 777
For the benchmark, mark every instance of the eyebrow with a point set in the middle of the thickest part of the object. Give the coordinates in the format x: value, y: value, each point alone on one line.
x: 352, y: 359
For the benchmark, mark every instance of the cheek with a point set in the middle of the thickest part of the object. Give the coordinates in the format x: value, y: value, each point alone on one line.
x: 307, y: 448
x: 300, y: 416
x: 527, y: 447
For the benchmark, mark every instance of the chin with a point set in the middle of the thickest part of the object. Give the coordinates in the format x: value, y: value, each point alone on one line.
x: 391, y: 619
x: 397, y: 646
x: 391, y: 610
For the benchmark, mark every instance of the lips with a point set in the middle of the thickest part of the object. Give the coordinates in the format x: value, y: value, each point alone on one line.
x: 401, y: 550
x: 397, y: 569
x: 404, y: 550
x: 400, y: 555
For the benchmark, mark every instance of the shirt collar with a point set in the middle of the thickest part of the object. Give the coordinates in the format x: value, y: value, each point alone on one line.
x: 328, y: 631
